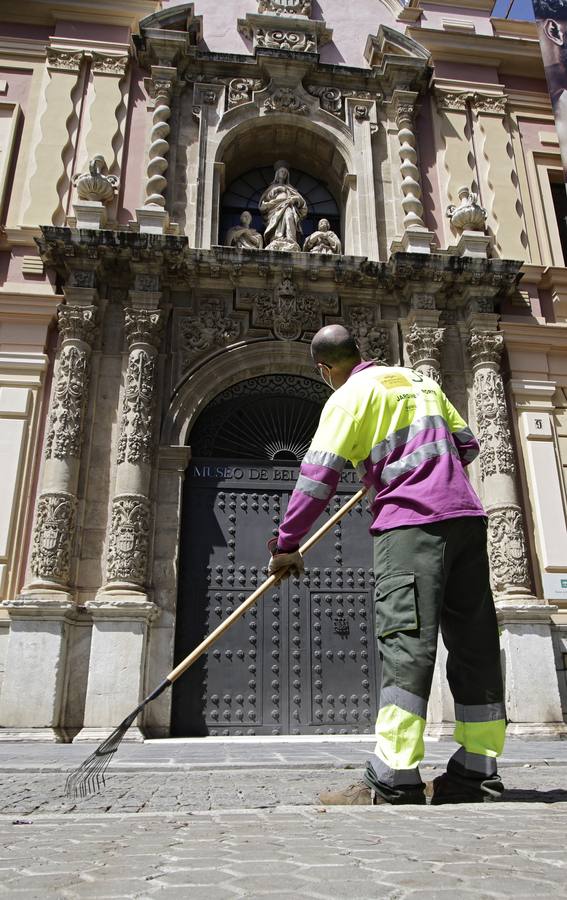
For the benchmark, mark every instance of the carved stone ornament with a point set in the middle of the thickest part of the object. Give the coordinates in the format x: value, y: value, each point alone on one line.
x: 241, y: 90
x: 373, y: 340
x: 489, y: 104
x: 281, y: 39
x: 284, y: 100
x: 467, y: 215
x: 361, y: 113
x: 331, y: 99
x: 285, y: 7
x: 424, y: 345
x: 143, y: 326
x: 486, y: 347
x: 323, y: 240
x: 135, y: 443
x: 109, y: 64
x: 210, y: 328
x: 288, y: 314
x: 77, y: 323
x: 64, y: 60
x: 68, y: 404
x: 507, y: 550
x: 97, y: 184
x: 129, y: 539
x: 496, y: 451
x: 54, y: 527
x: 452, y: 100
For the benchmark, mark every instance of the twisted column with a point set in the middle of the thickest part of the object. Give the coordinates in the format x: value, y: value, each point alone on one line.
x: 56, y: 508
x: 507, y: 544
x: 160, y: 90
x: 130, y: 529
x: 411, y: 179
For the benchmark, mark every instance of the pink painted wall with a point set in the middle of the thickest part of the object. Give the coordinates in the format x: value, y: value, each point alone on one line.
x: 480, y: 74
x: 32, y: 32
x: 19, y: 83
x: 112, y: 34
x: 351, y: 20
x: 433, y: 17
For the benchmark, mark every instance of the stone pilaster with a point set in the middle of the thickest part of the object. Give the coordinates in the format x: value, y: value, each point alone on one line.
x: 508, y: 552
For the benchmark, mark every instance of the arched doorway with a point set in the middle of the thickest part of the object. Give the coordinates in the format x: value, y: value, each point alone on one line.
x: 303, y: 661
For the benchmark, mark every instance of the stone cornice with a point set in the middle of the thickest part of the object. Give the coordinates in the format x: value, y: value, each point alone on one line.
x: 512, y: 55
x: 529, y: 335
x: 169, y: 256
x: 110, y: 12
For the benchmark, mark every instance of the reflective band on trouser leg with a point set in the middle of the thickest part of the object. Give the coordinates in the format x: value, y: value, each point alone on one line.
x: 481, y: 732
x: 399, y: 737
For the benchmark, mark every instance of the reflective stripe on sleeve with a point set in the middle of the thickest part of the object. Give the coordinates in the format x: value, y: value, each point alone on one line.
x: 325, y: 458
x: 405, y: 435
x: 415, y: 459
x: 313, y: 488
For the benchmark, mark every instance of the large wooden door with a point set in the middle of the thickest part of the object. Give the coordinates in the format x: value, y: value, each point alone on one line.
x: 303, y: 661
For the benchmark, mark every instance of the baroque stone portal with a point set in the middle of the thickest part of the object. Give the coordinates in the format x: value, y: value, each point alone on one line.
x: 283, y: 209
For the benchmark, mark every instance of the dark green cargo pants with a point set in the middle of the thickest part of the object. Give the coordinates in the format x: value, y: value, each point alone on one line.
x: 430, y: 577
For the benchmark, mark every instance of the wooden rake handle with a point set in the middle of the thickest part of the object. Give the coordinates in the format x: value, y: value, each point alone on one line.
x: 253, y: 598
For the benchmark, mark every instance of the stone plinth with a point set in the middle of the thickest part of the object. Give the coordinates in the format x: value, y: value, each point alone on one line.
x: 90, y: 214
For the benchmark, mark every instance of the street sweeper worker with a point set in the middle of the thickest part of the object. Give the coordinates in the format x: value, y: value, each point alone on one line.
x: 411, y: 447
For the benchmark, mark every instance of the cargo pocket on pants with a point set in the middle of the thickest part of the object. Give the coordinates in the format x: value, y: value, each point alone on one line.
x: 396, y: 606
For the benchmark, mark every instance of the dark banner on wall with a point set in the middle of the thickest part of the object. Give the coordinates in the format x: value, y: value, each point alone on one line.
x: 551, y: 16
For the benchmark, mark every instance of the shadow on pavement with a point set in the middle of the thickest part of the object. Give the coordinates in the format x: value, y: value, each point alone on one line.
x: 556, y: 795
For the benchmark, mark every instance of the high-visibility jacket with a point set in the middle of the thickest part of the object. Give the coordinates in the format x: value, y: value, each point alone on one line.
x: 407, y: 442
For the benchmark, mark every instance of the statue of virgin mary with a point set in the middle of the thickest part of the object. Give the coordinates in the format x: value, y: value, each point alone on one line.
x: 283, y: 209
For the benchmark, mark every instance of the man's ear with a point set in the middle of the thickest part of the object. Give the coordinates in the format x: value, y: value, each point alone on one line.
x: 555, y: 31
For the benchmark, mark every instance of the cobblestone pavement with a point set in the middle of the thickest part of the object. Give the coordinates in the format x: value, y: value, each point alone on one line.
x: 168, y: 826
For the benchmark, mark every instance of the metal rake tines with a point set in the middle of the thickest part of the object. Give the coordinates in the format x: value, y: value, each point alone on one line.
x: 89, y: 777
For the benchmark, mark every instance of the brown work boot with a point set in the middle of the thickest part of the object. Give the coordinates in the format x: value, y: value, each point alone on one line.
x: 361, y: 795
x: 445, y: 789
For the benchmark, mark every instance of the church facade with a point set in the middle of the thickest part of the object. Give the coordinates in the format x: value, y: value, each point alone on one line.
x: 188, y: 192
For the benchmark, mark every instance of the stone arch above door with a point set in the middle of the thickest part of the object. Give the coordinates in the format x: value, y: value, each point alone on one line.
x: 225, y: 369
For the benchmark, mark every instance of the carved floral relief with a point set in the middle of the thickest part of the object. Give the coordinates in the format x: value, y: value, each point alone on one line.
x: 54, y: 527
x: 135, y: 444
x: 68, y: 404
x: 129, y: 539
x: 507, y: 549
x: 373, y: 339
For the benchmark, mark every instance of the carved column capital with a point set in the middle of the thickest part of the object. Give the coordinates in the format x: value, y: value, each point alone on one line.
x: 77, y: 323
x: 485, y: 348
x: 143, y: 326
x: 424, y: 344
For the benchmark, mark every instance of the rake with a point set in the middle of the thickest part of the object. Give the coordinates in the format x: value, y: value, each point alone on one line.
x: 89, y: 777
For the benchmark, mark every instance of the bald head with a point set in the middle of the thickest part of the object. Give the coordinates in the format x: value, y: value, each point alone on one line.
x: 334, y: 345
